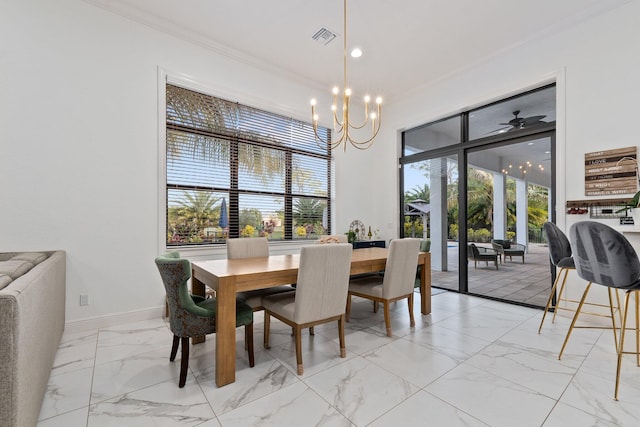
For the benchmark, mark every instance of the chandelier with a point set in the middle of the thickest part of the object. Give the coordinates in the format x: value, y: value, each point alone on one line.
x: 342, y: 124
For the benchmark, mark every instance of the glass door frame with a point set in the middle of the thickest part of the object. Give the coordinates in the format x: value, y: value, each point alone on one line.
x: 461, y: 150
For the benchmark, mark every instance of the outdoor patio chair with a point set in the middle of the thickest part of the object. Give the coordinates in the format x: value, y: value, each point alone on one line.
x: 507, y: 249
x: 479, y: 253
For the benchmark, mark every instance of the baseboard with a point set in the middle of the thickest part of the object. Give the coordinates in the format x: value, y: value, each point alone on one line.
x: 110, y: 320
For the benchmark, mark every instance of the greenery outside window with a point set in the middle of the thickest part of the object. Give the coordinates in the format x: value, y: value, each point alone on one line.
x: 237, y: 171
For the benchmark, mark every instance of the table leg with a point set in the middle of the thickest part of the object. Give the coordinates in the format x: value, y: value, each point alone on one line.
x: 197, y: 288
x: 226, y: 332
x: 425, y: 285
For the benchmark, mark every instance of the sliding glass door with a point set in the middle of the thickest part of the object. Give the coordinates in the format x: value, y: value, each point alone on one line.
x: 479, y: 185
x: 509, y: 192
x: 431, y: 213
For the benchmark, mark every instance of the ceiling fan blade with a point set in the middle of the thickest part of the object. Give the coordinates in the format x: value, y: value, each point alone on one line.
x: 499, y: 129
x: 532, y: 119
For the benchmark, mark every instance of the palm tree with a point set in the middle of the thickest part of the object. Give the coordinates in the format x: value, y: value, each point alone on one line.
x: 197, y: 207
x: 417, y: 193
x: 201, y: 127
x: 479, y: 199
x: 308, y: 211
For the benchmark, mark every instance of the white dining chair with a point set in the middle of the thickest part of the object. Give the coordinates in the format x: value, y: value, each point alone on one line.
x: 397, y: 282
x: 253, y: 247
x: 320, y: 297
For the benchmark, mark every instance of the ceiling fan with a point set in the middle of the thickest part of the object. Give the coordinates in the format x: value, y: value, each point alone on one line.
x: 521, y: 122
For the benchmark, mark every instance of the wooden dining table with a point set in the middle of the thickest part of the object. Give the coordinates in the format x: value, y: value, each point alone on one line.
x: 229, y: 276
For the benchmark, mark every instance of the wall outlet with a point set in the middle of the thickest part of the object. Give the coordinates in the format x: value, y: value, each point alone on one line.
x: 84, y: 299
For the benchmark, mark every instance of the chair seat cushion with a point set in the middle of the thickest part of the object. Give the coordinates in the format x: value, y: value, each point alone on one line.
x: 254, y: 298
x: 282, y: 303
x: 244, y: 313
x: 371, y: 285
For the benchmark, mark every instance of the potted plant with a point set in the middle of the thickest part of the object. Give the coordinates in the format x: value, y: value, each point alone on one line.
x: 633, y: 206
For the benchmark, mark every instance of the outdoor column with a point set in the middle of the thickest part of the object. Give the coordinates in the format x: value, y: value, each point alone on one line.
x: 438, y: 201
x: 550, y: 207
x: 499, y: 206
x: 522, y: 212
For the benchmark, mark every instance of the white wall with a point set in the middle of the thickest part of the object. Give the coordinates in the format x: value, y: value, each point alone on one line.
x: 79, y: 157
x: 596, y: 70
x: 79, y: 121
x: 598, y: 88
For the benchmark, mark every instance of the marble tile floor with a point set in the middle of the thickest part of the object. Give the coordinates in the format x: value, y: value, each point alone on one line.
x: 472, y: 362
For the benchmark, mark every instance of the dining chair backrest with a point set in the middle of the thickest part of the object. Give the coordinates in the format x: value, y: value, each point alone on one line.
x: 185, y: 317
x: 559, y: 246
x: 247, y: 247
x: 400, y: 270
x: 323, y: 282
x: 333, y: 238
x: 603, y: 255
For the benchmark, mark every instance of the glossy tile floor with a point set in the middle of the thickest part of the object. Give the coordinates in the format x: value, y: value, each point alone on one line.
x: 472, y: 362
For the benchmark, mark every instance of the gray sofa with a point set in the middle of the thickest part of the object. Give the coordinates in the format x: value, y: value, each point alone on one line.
x: 32, y: 315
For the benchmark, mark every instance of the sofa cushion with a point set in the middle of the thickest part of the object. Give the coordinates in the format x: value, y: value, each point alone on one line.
x: 15, y: 268
x: 4, y: 280
x: 33, y: 257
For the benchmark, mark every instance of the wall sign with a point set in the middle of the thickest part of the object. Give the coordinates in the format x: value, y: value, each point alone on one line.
x: 610, y: 172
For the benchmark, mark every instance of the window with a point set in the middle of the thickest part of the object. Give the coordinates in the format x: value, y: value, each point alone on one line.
x: 236, y: 171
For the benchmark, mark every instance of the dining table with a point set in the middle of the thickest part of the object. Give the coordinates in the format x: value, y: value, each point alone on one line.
x: 229, y: 276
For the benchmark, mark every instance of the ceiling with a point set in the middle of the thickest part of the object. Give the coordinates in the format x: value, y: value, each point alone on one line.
x: 406, y: 44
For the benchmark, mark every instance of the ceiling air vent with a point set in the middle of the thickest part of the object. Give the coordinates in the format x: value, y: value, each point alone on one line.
x: 324, y: 36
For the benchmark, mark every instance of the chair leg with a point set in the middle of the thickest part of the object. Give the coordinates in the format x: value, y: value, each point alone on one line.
x: 347, y: 310
x: 174, y: 348
x: 375, y: 306
x: 564, y: 282
x: 298, y: 333
x: 343, y: 351
x: 412, y: 320
x: 637, y: 329
x: 184, y: 363
x: 267, y: 326
x: 248, y: 333
x: 575, y: 317
x: 613, y: 318
x: 312, y: 331
x: 621, y: 346
x: 550, y: 299
x: 387, y: 318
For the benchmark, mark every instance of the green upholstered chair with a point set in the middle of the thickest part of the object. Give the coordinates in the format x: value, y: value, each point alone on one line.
x: 191, y: 315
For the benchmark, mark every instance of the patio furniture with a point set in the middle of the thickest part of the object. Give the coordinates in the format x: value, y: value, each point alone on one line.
x: 479, y: 253
x: 507, y: 249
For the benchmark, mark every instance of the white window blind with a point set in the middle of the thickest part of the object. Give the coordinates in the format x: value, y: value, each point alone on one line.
x: 234, y: 170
